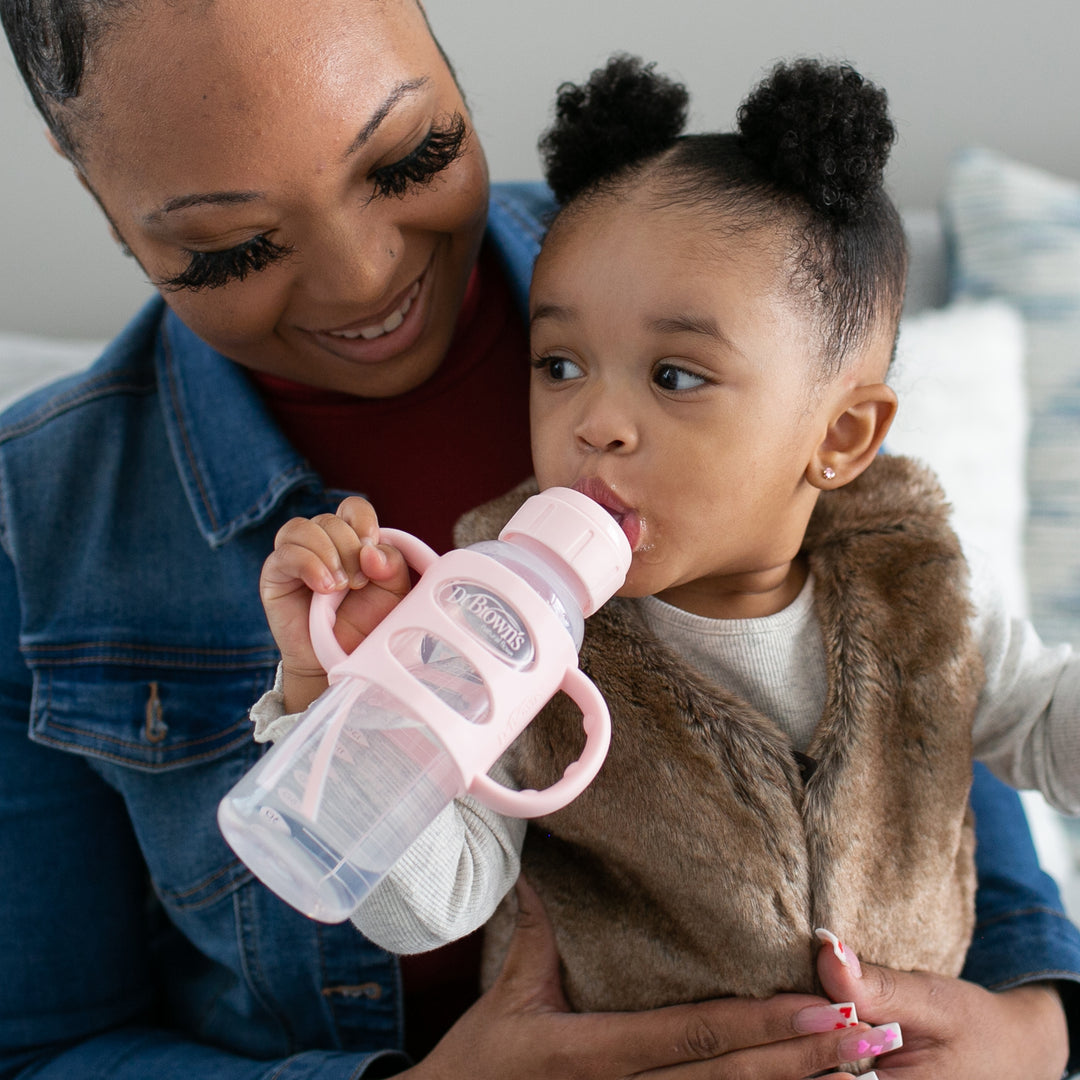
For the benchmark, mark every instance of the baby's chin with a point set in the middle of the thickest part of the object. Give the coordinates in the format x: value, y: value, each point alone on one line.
x: 633, y: 590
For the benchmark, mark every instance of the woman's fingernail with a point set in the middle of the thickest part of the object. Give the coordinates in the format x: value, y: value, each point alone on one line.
x: 845, y: 956
x: 868, y: 1076
x: 878, y: 1040
x: 826, y: 1017
x: 341, y: 579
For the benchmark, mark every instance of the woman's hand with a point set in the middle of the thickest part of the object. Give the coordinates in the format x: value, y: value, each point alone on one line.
x: 523, y: 1028
x: 325, y: 554
x: 954, y: 1028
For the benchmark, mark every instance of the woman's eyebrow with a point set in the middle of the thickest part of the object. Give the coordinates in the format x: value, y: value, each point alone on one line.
x: 207, y: 198
x: 400, y: 91
x: 227, y: 198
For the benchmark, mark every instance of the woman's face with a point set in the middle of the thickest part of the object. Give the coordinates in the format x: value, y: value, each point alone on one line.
x: 300, y: 178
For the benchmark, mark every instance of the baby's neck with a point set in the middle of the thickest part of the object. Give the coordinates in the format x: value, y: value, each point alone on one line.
x: 747, y: 596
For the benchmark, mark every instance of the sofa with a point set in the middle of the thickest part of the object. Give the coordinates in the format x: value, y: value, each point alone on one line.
x: 988, y: 374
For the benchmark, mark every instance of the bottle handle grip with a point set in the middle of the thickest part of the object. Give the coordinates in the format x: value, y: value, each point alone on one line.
x: 323, y: 612
x: 528, y: 803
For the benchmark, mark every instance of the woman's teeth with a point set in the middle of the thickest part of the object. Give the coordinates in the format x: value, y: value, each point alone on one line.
x: 391, y: 322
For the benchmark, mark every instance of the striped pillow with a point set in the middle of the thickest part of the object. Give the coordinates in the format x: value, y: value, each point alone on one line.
x: 1015, y: 234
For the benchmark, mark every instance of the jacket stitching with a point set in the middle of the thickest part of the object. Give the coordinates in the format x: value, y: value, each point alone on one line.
x: 150, y: 766
x: 90, y: 391
x: 182, y: 428
x: 178, y: 650
x: 240, y: 725
x: 1037, y: 909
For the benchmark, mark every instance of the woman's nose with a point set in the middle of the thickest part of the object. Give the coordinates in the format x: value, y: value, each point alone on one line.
x: 354, y: 261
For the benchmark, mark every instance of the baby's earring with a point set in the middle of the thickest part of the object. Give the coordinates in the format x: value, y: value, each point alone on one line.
x: 829, y: 472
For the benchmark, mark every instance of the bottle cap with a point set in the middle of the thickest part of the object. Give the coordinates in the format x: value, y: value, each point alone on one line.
x: 583, y: 536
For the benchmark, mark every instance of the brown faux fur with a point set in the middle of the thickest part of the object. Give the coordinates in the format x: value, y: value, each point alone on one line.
x: 698, y: 863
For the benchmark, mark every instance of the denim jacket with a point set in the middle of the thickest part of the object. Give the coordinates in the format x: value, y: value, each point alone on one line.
x: 137, y: 503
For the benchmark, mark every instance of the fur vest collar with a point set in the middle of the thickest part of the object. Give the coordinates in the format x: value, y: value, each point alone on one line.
x: 698, y: 862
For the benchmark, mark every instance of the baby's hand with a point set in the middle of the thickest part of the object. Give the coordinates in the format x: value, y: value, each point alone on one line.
x: 326, y: 554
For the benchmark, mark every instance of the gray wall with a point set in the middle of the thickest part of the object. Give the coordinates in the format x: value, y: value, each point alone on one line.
x: 957, y: 71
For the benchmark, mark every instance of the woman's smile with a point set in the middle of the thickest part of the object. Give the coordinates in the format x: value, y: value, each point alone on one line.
x: 384, y: 336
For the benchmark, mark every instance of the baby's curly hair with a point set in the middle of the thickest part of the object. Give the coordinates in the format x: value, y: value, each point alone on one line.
x: 809, y: 155
x: 625, y: 114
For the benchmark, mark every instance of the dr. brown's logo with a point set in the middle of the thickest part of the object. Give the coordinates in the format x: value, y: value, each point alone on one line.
x: 490, y: 619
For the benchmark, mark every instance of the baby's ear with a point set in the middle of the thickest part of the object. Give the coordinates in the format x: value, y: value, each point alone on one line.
x: 854, y: 436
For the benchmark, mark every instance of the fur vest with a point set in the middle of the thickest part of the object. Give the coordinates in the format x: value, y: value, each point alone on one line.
x: 699, y: 861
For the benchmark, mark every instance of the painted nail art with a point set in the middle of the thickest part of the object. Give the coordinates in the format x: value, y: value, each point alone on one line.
x: 845, y: 956
x: 878, y: 1040
x: 826, y: 1017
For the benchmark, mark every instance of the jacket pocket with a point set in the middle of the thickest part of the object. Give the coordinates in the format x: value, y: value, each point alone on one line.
x: 171, y: 744
x: 146, y: 723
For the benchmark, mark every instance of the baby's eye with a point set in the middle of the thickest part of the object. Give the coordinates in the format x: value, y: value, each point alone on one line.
x: 438, y: 150
x: 212, y: 269
x: 558, y: 368
x: 670, y: 377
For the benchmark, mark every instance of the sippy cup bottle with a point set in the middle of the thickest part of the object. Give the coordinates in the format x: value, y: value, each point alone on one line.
x: 428, y: 702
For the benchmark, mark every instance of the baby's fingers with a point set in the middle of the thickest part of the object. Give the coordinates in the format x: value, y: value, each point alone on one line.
x: 381, y: 563
x: 321, y: 553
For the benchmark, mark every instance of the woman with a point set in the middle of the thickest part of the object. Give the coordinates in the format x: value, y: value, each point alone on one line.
x: 301, y: 180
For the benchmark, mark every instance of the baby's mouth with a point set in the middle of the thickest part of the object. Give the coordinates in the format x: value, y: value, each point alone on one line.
x: 386, y: 326
x: 625, y: 516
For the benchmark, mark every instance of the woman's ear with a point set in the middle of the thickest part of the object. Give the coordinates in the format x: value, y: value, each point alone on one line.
x: 55, y: 143
x: 81, y: 177
x: 853, y: 437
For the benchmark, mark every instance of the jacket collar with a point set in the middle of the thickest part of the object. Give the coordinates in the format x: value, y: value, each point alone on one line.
x: 234, y: 463
x: 518, y: 217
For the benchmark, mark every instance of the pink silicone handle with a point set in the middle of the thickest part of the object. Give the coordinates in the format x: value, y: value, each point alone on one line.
x: 578, y: 775
x: 324, y: 606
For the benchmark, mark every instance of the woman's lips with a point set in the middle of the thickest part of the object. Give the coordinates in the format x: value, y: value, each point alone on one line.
x: 373, y: 330
x: 627, y: 518
x: 385, y: 336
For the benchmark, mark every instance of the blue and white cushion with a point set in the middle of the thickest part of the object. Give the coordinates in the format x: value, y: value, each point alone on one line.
x: 1015, y: 234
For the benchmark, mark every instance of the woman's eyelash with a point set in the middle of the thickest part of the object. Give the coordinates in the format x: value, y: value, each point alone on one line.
x: 212, y: 269
x: 439, y: 149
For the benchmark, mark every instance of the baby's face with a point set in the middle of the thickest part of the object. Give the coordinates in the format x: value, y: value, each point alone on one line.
x: 674, y: 382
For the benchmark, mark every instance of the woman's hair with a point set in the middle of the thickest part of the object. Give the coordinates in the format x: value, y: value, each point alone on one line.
x: 51, y: 41
x: 808, y: 156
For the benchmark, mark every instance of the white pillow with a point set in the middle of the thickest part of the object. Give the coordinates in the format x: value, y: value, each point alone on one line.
x: 959, y: 375
x: 28, y: 361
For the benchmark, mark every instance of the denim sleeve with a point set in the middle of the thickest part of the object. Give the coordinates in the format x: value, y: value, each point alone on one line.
x: 76, y: 984
x: 139, y: 1053
x: 1022, y: 934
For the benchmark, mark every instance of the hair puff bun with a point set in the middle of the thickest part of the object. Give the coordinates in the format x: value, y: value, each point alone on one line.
x: 624, y: 114
x: 822, y: 131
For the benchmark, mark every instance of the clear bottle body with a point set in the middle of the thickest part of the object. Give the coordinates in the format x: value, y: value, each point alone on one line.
x: 328, y: 811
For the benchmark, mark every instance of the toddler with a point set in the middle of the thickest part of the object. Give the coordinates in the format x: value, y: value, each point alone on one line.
x: 799, y: 667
